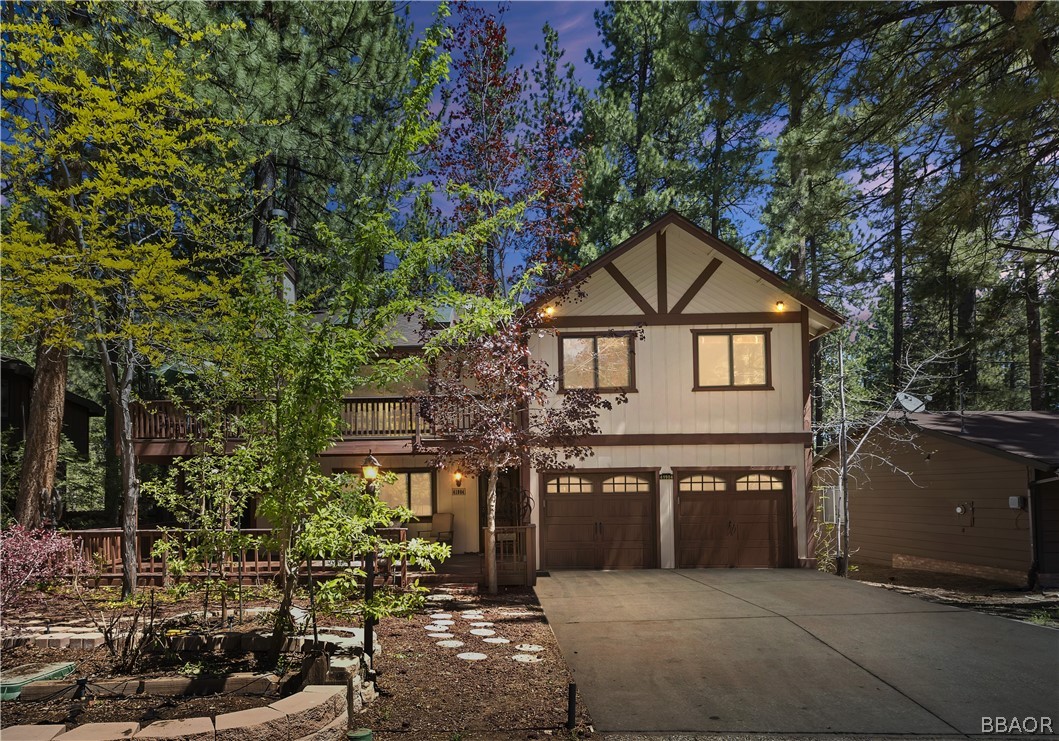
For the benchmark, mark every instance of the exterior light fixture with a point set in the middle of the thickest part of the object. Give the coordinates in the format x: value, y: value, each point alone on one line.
x: 548, y: 311
x: 370, y: 468
x: 779, y: 306
x: 458, y: 477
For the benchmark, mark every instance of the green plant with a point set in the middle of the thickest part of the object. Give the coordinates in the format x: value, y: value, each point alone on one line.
x: 1041, y: 617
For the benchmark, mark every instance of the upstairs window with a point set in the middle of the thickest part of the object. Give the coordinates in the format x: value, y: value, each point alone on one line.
x: 726, y: 359
x: 599, y: 362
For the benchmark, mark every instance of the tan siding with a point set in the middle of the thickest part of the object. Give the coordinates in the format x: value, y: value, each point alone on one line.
x: 640, y: 266
x: 890, y: 515
x: 665, y: 403
x: 606, y: 297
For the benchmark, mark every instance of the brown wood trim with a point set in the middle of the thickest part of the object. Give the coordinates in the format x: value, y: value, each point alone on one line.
x: 696, y: 285
x: 807, y: 392
x: 591, y: 321
x: 698, y: 438
x: 629, y: 288
x: 662, y: 272
x: 767, y: 331
x: 631, y: 389
x: 725, y: 249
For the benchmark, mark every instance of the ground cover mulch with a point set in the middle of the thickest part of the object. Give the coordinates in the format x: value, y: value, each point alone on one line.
x: 427, y: 692
x: 1040, y: 607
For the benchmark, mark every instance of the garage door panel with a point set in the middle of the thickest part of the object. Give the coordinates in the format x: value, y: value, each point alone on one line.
x: 593, y: 520
x: 731, y: 524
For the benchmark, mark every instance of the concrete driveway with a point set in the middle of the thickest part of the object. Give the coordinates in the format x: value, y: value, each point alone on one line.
x: 791, y: 652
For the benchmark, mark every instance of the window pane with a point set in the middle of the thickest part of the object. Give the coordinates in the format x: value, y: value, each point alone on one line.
x: 395, y: 494
x: 421, y: 490
x: 614, y: 362
x: 759, y: 482
x: 713, y: 360
x: 569, y: 485
x: 702, y: 482
x: 748, y: 356
x: 625, y: 485
x: 578, y: 363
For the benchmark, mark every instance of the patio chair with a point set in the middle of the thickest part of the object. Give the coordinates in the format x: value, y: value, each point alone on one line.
x: 440, y: 528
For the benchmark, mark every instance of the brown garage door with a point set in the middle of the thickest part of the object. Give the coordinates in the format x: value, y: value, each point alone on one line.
x: 732, y: 518
x: 599, y: 520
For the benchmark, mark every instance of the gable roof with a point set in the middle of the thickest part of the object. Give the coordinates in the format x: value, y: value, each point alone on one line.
x: 724, y: 249
x: 17, y: 367
x: 1028, y: 437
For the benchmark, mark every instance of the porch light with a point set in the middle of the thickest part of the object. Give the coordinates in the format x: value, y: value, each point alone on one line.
x: 779, y: 306
x: 370, y: 468
x: 458, y: 477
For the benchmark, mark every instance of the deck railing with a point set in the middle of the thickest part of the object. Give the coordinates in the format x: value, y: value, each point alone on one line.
x: 101, y: 550
x: 364, y: 417
x: 516, y: 555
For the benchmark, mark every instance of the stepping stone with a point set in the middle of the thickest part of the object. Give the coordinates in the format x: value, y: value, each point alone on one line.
x: 32, y: 733
x: 435, y: 628
x: 527, y: 658
x: 471, y: 656
x: 483, y: 632
x: 497, y: 640
x: 13, y: 680
x: 482, y: 625
x: 440, y: 616
x: 444, y: 622
x: 450, y: 644
x: 439, y: 598
x: 441, y: 635
x: 190, y: 729
x: 531, y: 647
x: 99, y: 732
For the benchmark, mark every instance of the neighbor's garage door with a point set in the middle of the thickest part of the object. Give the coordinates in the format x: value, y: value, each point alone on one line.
x: 599, y: 520
x: 732, y: 518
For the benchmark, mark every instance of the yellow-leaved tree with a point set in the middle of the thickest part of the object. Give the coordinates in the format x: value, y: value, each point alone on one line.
x: 122, y: 211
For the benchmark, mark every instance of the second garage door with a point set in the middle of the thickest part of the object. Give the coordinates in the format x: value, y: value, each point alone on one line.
x: 731, y: 518
x: 599, y: 520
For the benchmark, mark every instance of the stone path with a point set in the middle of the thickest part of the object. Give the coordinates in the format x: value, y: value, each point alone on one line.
x: 448, y: 626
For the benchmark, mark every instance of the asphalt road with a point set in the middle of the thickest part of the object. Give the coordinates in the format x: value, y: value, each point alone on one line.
x: 789, y: 652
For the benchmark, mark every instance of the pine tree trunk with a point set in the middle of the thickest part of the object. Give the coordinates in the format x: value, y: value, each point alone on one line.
x: 1031, y: 294
x: 264, y: 192
x: 43, y: 431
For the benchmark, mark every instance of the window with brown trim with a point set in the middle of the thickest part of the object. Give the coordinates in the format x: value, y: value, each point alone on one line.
x: 732, y: 359
x: 601, y: 362
x: 412, y: 489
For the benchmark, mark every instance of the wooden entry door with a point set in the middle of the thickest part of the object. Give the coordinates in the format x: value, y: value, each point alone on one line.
x: 599, y: 520
x: 732, y: 518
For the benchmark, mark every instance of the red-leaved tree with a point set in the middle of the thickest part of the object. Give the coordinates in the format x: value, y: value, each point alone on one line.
x: 494, y: 406
x: 507, y: 140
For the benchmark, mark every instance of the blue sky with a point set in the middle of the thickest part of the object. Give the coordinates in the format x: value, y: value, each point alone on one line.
x: 572, y: 20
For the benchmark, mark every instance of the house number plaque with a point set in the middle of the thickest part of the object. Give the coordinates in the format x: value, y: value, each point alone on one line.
x: 459, y: 492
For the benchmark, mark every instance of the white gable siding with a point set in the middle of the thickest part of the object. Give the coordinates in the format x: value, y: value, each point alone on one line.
x: 639, y: 266
x: 604, y: 296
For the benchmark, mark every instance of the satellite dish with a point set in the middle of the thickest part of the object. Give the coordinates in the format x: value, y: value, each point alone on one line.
x: 911, y: 403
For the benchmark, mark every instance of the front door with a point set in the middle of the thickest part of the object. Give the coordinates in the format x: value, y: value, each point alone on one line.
x: 599, y: 520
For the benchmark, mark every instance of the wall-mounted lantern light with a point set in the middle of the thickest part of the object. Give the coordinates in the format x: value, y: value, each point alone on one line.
x: 370, y: 468
x: 457, y: 477
x: 779, y: 306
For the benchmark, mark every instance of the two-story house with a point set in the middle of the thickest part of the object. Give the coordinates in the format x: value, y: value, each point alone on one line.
x: 706, y: 464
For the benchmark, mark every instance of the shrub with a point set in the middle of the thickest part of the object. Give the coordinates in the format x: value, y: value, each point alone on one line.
x: 31, y: 560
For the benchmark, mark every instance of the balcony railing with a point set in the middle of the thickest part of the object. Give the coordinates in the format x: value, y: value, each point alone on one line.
x: 364, y: 418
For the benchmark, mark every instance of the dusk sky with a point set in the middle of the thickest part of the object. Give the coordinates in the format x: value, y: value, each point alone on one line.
x: 572, y: 20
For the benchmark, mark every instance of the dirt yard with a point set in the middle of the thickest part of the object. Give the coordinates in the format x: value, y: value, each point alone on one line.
x: 995, y: 598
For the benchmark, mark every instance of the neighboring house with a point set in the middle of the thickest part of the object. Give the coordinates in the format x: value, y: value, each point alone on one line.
x: 975, y: 493
x: 708, y: 462
x: 16, y: 390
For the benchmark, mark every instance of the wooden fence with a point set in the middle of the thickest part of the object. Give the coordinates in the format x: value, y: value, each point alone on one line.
x: 101, y: 550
